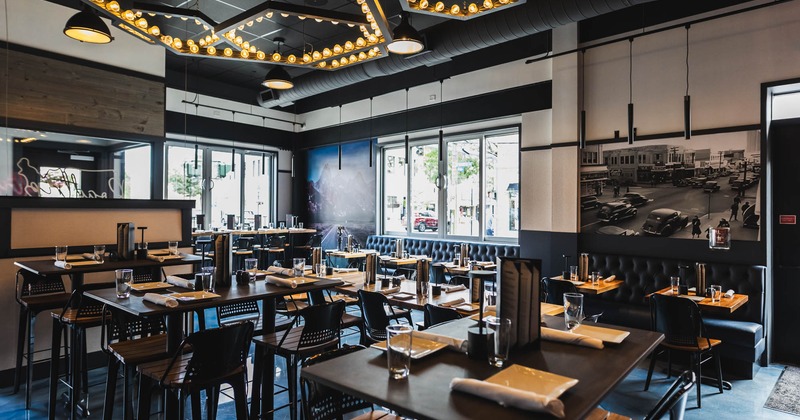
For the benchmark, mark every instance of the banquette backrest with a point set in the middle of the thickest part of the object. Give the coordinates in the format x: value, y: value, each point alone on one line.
x: 442, y: 250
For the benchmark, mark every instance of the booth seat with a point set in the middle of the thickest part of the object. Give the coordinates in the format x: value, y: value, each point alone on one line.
x: 742, y: 332
x: 441, y: 250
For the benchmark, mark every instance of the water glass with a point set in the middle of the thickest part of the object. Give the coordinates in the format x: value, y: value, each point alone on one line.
x: 573, y: 310
x: 595, y: 276
x: 299, y: 225
x: 99, y: 253
x: 270, y: 225
x: 674, y: 285
x: 283, y: 225
x: 61, y: 253
x: 321, y: 269
x: 398, y: 350
x: 499, y: 340
x: 210, y: 271
x: 251, y: 266
x: 173, y: 247
x: 573, y: 272
x: 716, y: 292
x: 123, y: 277
x: 206, y: 280
x: 299, y: 266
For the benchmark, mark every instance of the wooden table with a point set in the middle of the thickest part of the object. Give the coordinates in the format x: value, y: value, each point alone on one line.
x: 351, y: 255
x: 464, y: 270
x: 267, y: 293
x: 723, y: 306
x: 426, y: 393
x: 275, y: 231
x: 590, y: 289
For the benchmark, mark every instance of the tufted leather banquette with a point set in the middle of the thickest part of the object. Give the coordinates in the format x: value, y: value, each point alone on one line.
x: 742, y: 332
x: 442, y: 250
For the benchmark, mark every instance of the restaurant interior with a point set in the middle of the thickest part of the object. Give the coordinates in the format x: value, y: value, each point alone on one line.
x: 200, y: 198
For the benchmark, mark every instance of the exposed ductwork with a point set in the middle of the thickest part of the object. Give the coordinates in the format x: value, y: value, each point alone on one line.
x: 458, y: 38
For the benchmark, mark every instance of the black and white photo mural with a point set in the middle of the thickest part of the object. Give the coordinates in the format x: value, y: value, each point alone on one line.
x: 673, y: 188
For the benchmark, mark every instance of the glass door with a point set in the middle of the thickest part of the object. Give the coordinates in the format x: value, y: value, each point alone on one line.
x: 185, y: 180
x: 226, y: 187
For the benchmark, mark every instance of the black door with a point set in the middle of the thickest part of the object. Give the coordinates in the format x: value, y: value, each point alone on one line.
x: 784, y: 150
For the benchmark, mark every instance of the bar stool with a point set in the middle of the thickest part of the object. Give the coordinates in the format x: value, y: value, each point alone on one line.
x: 275, y: 246
x: 34, y: 294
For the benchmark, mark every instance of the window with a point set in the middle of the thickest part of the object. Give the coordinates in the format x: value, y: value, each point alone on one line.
x: 222, y: 182
x: 472, y: 192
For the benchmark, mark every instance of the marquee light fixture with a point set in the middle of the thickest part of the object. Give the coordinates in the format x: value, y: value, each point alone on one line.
x: 463, y: 11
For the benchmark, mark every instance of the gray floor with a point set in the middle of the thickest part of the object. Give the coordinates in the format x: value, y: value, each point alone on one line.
x: 745, y: 401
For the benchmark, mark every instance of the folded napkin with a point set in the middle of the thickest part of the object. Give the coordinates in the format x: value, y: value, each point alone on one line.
x: 180, y: 282
x: 448, y: 289
x: 280, y: 270
x: 88, y: 256
x: 281, y: 282
x: 490, y: 308
x: 454, y: 302
x: 571, y: 338
x: 729, y: 294
x: 452, y: 342
x: 389, y: 291
x: 610, y: 278
x: 344, y: 270
x: 162, y: 258
x: 161, y: 300
x: 63, y: 264
x: 509, y: 397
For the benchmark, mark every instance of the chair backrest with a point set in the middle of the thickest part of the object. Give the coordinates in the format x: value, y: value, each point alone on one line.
x: 117, y: 326
x: 30, y: 284
x: 323, y: 403
x: 142, y: 276
x: 277, y: 241
x: 678, y: 318
x: 674, y: 401
x: 321, y: 324
x: 237, y: 312
x: 434, y: 315
x: 554, y: 290
x: 218, y: 352
x: 315, y: 240
x: 373, y: 308
x: 87, y: 306
x: 244, y: 242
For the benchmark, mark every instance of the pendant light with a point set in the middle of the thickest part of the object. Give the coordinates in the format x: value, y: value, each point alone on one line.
x: 86, y: 26
x: 441, y: 130
x: 582, y: 122
x: 370, y: 131
x: 687, y: 100
x: 340, y: 137
x: 406, y: 142
x: 631, y: 134
x: 264, y: 155
x: 405, y: 39
x: 278, y: 77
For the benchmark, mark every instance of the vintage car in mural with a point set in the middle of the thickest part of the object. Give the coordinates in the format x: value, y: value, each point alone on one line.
x: 616, y: 231
x: 635, y: 199
x: 664, y: 222
x: 711, y: 186
x: 425, y: 220
x: 616, y: 211
x: 589, y: 202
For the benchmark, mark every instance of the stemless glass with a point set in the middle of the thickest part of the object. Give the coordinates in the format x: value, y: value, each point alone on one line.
x: 573, y: 272
x: 573, y: 310
x: 595, y: 276
x: 299, y: 265
x: 61, y: 252
x: 251, y: 266
x: 398, y: 350
x: 499, y: 340
x: 173, y: 247
x: 674, y: 283
x: 99, y: 253
x: 123, y: 277
x: 210, y: 271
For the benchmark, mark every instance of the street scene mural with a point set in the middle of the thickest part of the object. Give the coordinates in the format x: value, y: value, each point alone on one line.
x: 673, y: 188
x: 341, y: 200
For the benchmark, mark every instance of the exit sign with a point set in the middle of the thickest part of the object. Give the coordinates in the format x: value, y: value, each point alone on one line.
x: 787, y: 219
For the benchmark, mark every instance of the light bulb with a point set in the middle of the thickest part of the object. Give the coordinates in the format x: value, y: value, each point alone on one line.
x: 291, y: 59
x: 249, y: 23
x: 189, y: 42
x: 202, y: 42
x: 260, y: 55
x: 334, y: 64
x: 228, y: 52
x: 439, y: 6
x: 177, y: 43
x: 364, y: 8
x: 371, y: 53
x: 154, y: 30
x: 208, y: 39
x: 473, y: 8
x: 316, y: 55
x: 194, y: 49
x: 487, y: 4
x: 322, y: 64
x: 142, y: 23
x: 454, y: 10
x: 348, y: 46
x: 360, y: 43
x: 276, y: 56
x: 211, y: 50
x: 246, y: 45
x: 352, y: 58
x: 372, y: 38
x: 306, y: 58
x: 238, y: 40
x: 269, y: 15
x: 423, y: 4
x: 378, y: 32
x: 244, y: 53
x: 113, y: 6
x: 337, y: 49
x: 343, y: 60
x: 326, y: 52
x: 128, y: 15
x: 252, y: 49
x: 362, y: 55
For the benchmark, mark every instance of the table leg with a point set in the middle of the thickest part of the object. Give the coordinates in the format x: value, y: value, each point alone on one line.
x: 268, y: 374
x: 174, y: 338
x: 55, y: 354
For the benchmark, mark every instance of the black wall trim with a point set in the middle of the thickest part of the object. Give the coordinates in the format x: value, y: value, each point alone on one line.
x: 533, y: 97
x: 227, y: 130
x: 548, y: 146
x: 284, y: 171
x: 80, y: 61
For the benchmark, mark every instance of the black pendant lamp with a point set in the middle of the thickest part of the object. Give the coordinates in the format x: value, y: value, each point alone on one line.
x: 406, y: 139
x: 441, y: 120
x: 687, y: 100
x: 340, y: 137
x: 582, y: 127
x: 370, y: 132
x: 278, y: 78
x: 631, y: 134
x: 405, y: 39
x: 86, y: 26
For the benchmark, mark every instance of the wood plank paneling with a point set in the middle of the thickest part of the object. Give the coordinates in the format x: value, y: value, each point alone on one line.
x: 59, y: 92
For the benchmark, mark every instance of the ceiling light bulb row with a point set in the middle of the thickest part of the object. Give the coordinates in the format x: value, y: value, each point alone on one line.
x: 464, y: 11
x: 352, y: 59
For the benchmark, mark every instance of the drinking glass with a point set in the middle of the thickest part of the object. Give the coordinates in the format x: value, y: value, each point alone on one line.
x: 123, y: 277
x: 573, y: 272
x: 283, y: 225
x: 398, y: 350
x: 716, y: 292
x: 251, y: 266
x: 99, y: 253
x: 674, y: 283
x: 573, y: 310
x: 61, y: 253
x: 210, y: 271
x: 499, y: 340
x: 208, y: 281
x: 270, y: 225
x: 173, y: 247
x: 299, y: 225
x: 595, y: 276
x: 299, y: 265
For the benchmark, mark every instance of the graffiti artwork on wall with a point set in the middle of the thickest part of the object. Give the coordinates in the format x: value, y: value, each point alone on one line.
x: 55, y: 182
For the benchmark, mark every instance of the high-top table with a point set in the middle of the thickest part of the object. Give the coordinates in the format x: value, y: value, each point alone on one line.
x: 426, y: 393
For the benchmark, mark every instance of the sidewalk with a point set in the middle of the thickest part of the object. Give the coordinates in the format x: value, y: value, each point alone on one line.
x: 738, y: 232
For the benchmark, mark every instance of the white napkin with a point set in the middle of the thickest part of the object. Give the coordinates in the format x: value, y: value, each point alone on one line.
x: 610, y: 278
x: 161, y: 300
x: 449, y: 289
x: 389, y: 291
x: 180, y: 282
x: 87, y: 256
x: 509, y: 397
x: 571, y: 338
x: 281, y: 282
x: 280, y: 270
x: 452, y: 342
x: 63, y: 264
x: 162, y: 258
x: 454, y: 302
x: 729, y: 294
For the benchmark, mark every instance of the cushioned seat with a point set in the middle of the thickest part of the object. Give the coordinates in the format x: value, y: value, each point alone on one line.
x: 740, y: 339
x: 442, y: 250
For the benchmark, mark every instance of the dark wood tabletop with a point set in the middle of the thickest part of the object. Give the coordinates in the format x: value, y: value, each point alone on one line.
x: 426, y: 393
x: 47, y: 267
x: 407, y: 287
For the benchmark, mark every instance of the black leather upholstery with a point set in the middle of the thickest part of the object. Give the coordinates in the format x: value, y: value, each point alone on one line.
x: 442, y: 250
x: 742, y: 333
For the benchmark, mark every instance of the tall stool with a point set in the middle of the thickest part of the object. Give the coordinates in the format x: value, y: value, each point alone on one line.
x: 276, y: 246
x: 35, y: 294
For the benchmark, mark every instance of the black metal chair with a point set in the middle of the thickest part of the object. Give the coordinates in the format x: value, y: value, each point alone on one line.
x: 673, y: 402
x: 456, y: 278
x: 218, y: 356
x: 680, y: 321
x: 319, y: 332
x: 34, y: 294
x: 554, y: 290
x: 434, y: 315
x: 323, y: 403
x: 276, y: 246
x: 378, y: 313
x: 319, y: 297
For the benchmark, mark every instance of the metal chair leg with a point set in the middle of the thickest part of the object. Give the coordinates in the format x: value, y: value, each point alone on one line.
x: 23, y: 326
